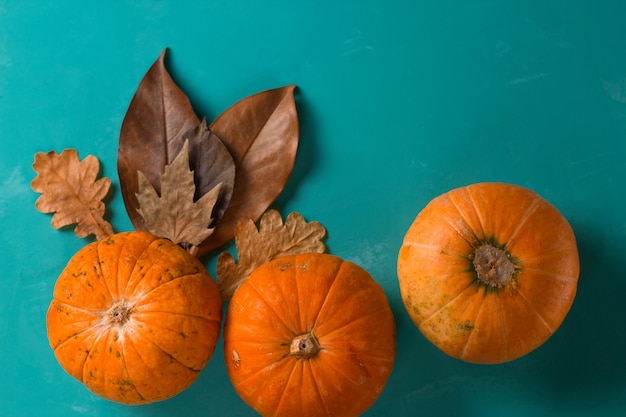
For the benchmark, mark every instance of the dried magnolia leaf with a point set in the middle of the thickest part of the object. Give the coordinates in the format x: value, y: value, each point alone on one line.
x: 212, y: 164
x: 70, y: 190
x: 174, y: 214
x: 152, y: 132
x: 261, y: 132
x: 271, y: 240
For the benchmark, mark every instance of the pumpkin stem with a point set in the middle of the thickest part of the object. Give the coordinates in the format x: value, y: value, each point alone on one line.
x: 304, y: 346
x: 493, y: 266
x: 119, y: 314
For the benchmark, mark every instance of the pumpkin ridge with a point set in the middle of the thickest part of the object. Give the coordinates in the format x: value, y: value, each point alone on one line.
x: 435, y: 249
x: 123, y: 348
x: 261, y: 296
x: 120, y: 240
x: 97, y: 336
x: 560, y: 277
x: 121, y: 287
x: 330, y: 289
x: 477, y: 322
x: 97, y: 326
x: 104, y: 279
x: 534, y: 310
x: 96, y: 313
x: 124, y: 294
x: 141, y: 334
x: 77, y: 306
x: 469, y: 228
x: 171, y: 331
x: 209, y: 319
x: 313, y: 370
x: 505, y: 339
x: 256, y: 372
x: 120, y: 290
x: 144, y: 295
x: 461, y: 235
x: 365, y: 355
x: 337, y: 371
x: 444, y: 305
x: 126, y: 290
x: 76, y: 334
x: 124, y: 238
x: 123, y: 358
x: 529, y: 211
x: 82, y: 367
x: 145, y: 366
x: 543, y: 254
x: 308, y: 327
x: 297, y: 364
x: 477, y: 211
x: 143, y: 301
x: 471, y: 332
x: 330, y: 333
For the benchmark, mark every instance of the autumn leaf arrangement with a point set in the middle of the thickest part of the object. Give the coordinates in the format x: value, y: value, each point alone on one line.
x: 195, y: 184
x: 135, y: 316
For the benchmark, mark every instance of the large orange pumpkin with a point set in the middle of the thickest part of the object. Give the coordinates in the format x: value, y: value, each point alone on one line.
x: 134, y: 317
x: 488, y: 272
x: 309, y: 335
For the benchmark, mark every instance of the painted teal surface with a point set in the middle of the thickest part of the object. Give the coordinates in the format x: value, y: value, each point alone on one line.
x: 399, y: 101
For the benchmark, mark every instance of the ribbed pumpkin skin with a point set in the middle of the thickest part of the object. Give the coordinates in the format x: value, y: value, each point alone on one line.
x: 471, y: 320
x: 155, y: 349
x: 344, y: 308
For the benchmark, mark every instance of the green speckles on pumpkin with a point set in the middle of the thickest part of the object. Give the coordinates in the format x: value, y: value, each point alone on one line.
x: 125, y: 383
x: 466, y: 325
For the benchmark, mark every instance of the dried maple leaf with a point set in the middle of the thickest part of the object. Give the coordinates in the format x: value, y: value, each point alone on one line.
x: 271, y: 240
x: 70, y: 190
x: 174, y: 214
x: 212, y: 164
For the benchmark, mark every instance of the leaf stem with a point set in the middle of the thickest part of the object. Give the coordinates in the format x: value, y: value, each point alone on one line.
x: 193, y: 250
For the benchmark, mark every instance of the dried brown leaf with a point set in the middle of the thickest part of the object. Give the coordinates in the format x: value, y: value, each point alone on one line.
x: 261, y: 132
x: 212, y: 164
x: 174, y: 214
x: 70, y: 189
x: 271, y: 240
x: 152, y: 132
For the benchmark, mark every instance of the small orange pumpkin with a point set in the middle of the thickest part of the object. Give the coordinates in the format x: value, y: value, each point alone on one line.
x: 134, y: 317
x: 309, y: 335
x: 488, y: 272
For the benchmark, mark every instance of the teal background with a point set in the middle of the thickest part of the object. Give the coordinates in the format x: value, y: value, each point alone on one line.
x: 399, y: 101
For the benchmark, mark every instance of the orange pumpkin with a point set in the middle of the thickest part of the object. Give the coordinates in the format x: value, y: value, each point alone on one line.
x: 488, y: 272
x: 134, y: 317
x: 309, y: 335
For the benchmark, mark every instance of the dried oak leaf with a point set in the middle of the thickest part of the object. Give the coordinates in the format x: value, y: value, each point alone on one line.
x: 271, y: 240
x: 70, y: 190
x: 174, y: 214
x: 261, y: 132
x: 158, y: 116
